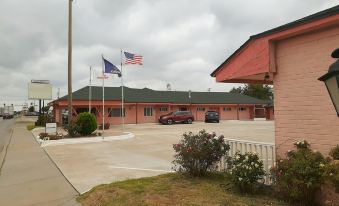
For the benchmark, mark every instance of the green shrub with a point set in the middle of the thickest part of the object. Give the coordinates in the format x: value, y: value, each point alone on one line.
x: 300, y: 176
x: 246, y: 170
x: 43, y: 119
x: 72, y: 129
x: 30, y: 127
x: 332, y: 175
x: 86, y: 123
x: 42, y: 135
x: 198, y: 153
x: 334, y: 153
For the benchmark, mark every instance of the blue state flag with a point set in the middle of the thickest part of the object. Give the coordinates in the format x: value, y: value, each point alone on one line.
x: 111, y: 68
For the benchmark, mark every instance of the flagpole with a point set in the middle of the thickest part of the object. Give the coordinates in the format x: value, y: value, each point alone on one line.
x: 103, y: 97
x: 90, y: 89
x: 122, y: 94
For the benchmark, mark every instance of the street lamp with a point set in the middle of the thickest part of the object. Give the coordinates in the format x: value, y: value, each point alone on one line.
x: 331, y: 79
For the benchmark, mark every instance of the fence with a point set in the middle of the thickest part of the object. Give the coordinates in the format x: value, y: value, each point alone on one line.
x: 266, y: 152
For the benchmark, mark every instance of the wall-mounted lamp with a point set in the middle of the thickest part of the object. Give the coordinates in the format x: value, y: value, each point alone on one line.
x: 331, y: 80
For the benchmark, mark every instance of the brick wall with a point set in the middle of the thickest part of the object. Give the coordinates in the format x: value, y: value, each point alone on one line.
x: 303, y: 109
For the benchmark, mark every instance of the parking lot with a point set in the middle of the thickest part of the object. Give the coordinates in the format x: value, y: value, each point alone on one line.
x: 149, y: 153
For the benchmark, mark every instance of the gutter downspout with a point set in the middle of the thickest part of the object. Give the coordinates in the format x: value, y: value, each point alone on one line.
x: 136, y: 113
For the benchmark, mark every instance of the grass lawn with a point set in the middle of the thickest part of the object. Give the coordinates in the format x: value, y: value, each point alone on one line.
x: 172, y: 189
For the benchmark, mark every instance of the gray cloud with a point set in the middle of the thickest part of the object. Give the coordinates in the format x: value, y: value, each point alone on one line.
x: 182, y: 41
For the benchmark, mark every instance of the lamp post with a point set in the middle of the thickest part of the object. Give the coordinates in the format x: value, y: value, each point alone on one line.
x: 69, y: 61
x: 331, y: 80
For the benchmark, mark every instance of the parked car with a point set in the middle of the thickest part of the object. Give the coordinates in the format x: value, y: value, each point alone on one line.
x: 179, y: 116
x: 32, y: 114
x: 212, y: 116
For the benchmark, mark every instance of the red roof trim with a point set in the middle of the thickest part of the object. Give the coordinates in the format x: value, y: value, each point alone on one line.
x: 284, y: 30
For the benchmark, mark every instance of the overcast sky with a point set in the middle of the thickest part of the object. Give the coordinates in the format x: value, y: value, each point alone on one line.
x: 182, y: 41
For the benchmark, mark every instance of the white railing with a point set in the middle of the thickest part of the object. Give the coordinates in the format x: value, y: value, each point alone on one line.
x: 265, y: 150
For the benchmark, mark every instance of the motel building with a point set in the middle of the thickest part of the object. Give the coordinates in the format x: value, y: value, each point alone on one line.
x: 147, y: 105
x: 292, y: 57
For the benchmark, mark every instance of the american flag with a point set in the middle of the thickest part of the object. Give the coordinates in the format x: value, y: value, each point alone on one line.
x: 133, y: 58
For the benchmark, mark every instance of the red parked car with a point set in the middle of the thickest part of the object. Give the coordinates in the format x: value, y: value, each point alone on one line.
x: 179, y: 116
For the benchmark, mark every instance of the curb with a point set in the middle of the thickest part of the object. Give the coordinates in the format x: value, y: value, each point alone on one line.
x: 49, y: 157
x: 82, y: 140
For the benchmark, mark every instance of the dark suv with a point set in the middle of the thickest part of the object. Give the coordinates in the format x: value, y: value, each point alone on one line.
x: 179, y: 116
x: 212, y: 116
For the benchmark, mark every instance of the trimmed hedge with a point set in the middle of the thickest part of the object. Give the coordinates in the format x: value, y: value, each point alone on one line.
x: 86, y: 123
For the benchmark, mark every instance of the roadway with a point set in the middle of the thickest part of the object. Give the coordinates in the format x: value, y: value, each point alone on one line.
x: 5, y: 130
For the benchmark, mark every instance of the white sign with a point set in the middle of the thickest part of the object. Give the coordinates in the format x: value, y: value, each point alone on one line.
x: 39, y: 91
x: 51, y: 128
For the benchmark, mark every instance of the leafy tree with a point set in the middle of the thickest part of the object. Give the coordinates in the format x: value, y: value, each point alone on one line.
x: 264, y: 92
x: 45, y: 108
x: 236, y: 90
x: 31, y: 109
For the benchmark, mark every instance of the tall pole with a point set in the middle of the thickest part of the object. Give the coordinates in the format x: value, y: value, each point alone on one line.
x: 103, y: 97
x: 122, y: 94
x: 69, y: 61
x: 90, y: 90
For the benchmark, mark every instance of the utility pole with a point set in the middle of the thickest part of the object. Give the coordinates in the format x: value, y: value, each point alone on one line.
x: 90, y: 90
x: 69, y: 61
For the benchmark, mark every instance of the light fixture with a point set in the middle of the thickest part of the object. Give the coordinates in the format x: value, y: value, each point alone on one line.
x: 331, y: 80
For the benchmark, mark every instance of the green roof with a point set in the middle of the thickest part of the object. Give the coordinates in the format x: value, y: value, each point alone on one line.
x: 153, y: 96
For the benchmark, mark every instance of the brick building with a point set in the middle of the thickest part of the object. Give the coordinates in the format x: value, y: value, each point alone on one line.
x: 292, y: 57
x: 146, y: 105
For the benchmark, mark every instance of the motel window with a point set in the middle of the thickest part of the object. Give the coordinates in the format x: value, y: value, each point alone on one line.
x: 116, y: 112
x: 227, y: 109
x: 163, y: 109
x: 242, y: 108
x: 148, y: 112
x: 200, y: 109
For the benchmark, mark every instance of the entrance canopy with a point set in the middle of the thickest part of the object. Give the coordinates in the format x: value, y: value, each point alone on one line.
x: 254, y: 61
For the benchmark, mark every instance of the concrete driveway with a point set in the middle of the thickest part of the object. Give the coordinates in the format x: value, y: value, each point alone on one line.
x: 149, y: 153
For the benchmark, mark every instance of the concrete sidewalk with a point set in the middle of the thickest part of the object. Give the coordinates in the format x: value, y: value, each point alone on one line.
x: 29, y: 177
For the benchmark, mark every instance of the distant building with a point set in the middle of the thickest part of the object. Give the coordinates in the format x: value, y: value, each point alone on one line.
x: 146, y: 105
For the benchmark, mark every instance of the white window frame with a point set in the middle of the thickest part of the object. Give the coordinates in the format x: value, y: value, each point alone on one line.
x: 227, y: 109
x: 200, y: 109
x: 120, y: 111
x: 148, y: 111
x: 163, y: 109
